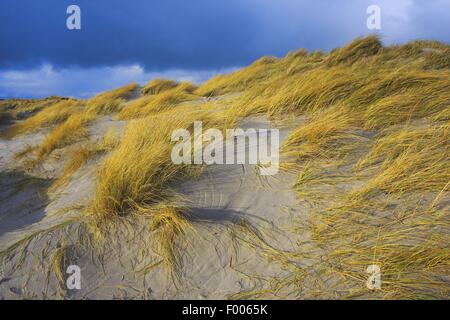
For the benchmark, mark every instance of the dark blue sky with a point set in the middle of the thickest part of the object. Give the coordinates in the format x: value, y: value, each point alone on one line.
x: 134, y: 40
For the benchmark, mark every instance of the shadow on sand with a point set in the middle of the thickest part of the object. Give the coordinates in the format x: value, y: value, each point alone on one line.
x: 22, y: 200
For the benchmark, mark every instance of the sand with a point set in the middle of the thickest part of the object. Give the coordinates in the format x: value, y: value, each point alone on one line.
x: 243, y: 222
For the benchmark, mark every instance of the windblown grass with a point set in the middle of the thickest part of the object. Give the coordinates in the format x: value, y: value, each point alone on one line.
x: 79, y: 156
x: 65, y: 134
x: 22, y: 108
x: 325, y: 135
x: 412, y: 159
x: 357, y: 50
x: 48, y: 116
x: 143, y: 188
x: 238, y: 80
x: 156, y: 86
x: 372, y: 158
x: 111, y: 101
x: 388, y: 210
x: 147, y: 145
x: 169, y: 223
x: 357, y: 76
x: 164, y: 100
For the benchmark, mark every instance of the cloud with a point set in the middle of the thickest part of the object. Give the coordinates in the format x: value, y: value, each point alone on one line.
x: 84, y: 82
x: 183, y: 37
x: 200, y: 34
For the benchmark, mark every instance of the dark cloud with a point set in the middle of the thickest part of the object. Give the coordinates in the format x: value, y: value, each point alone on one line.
x: 197, y: 34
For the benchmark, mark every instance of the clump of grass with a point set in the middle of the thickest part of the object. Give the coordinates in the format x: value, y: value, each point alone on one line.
x: 147, y: 145
x: 49, y: 116
x: 143, y: 188
x: 58, y: 265
x: 358, y: 49
x: 238, y: 80
x: 111, y: 101
x: 438, y: 59
x: 396, y: 81
x: 412, y: 159
x: 67, y: 133
x: 169, y: 223
x: 77, y: 158
x: 156, y: 86
x: 167, y: 99
x: 409, y: 247
x: 323, y: 136
x: 427, y: 100
x: 22, y: 108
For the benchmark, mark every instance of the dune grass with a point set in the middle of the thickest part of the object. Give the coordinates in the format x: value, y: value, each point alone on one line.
x: 169, y: 223
x: 357, y: 50
x: 111, y: 101
x: 412, y: 159
x: 384, y: 205
x: 21, y: 108
x: 135, y: 179
x: 238, y: 80
x: 80, y: 155
x: 372, y: 158
x: 156, y: 86
x: 358, y: 75
x: 65, y: 134
x: 325, y: 135
x: 147, y: 144
x: 153, y: 104
x: 48, y: 116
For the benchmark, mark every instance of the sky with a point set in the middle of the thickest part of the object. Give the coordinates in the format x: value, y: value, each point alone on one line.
x: 137, y: 40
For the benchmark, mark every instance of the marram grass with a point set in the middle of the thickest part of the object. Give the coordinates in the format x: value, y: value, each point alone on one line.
x: 371, y: 159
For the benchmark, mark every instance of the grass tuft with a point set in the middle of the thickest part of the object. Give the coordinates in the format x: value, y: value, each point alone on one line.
x: 158, y: 85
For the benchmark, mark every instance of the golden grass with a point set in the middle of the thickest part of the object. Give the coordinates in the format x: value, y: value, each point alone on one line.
x: 169, y: 223
x: 65, y: 134
x: 156, y: 86
x: 357, y: 76
x: 135, y: 180
x: 77, y: 158
x: 323, y: 136
x: 111, y: 101
x: 238, y: 80
x: 409, y: 105
x: 409, y: 246
x: 358, y: 49
x: 146, y: 145
x: 16, y: 108
x: 48, y: 116
x: 388, y: 210
x: 58, y: 264
x: 164, y: 100
x: 371, y: 158
x: 412, y: 159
